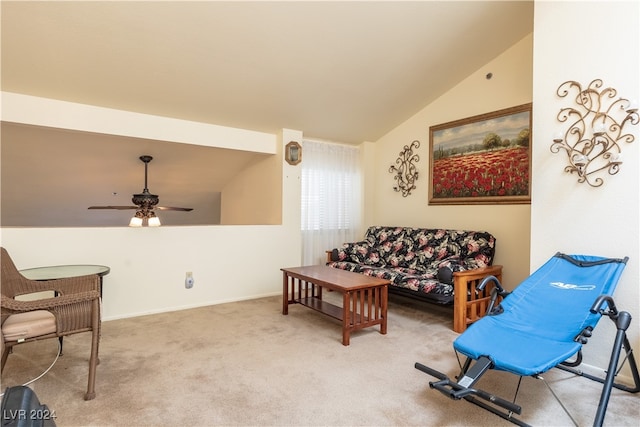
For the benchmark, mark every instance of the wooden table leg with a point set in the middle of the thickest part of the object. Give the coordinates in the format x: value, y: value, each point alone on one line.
x: 346, y: 318
x: 285, y: 293
x: 383, y: 309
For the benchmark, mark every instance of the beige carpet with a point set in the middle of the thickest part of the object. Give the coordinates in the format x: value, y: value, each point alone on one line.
x: 245, y: 363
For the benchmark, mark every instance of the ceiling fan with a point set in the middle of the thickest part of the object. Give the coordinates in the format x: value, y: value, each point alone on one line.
x: 145, y: 203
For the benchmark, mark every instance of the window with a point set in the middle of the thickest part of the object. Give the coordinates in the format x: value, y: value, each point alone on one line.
x: 331, y: 187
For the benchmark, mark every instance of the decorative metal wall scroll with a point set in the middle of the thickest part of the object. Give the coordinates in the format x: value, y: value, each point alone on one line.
x: 406, y: 173
x: 596, y: 128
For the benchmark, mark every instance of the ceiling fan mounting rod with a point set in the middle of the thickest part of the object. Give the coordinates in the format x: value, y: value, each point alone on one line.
x: 145, y: 200
x: 146, y: 159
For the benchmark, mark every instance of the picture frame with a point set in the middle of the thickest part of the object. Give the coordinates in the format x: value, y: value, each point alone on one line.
x: 484, y: 159
x: 293, y: 153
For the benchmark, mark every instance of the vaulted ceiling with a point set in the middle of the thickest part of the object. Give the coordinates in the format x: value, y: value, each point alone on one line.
x: 342, y: 71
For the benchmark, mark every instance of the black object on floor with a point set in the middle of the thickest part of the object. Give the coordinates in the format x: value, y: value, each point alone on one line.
x: 21, y: 408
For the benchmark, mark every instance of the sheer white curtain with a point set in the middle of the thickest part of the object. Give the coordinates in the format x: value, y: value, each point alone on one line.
x: 331, y: 187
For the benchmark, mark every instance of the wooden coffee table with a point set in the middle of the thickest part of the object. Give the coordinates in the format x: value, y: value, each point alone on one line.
x: 364, y: 298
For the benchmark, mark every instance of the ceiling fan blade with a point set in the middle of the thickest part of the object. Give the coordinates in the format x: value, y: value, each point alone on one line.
x: 113, y: 207
x: 169, y: 208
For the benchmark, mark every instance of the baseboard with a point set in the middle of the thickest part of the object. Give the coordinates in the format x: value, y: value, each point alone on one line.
x: 622, y: 377
x: 190, y: 306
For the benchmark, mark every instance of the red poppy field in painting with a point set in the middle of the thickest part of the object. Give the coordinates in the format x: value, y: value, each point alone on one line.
x: 497, y: 173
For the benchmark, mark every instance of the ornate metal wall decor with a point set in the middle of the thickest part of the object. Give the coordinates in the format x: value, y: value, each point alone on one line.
x: 596, y: 128
x: 406, y: 173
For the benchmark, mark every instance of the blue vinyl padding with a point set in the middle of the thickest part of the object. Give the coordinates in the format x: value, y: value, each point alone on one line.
x: 542, y: 316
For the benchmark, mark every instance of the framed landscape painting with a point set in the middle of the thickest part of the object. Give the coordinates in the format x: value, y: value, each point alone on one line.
x: 484, y: 159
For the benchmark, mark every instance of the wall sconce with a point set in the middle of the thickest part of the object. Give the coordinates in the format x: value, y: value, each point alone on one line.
x: 596, y: 126
x: 293, y: 153
x: 406, y: 173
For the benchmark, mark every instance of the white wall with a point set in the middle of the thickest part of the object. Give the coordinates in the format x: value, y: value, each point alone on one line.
x: 26, y: 109
x: 511, y: 85
x: 148, y: 265
x: 582, y: 41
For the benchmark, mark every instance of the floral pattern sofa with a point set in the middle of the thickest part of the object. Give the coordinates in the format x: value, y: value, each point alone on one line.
x: 437, y: 265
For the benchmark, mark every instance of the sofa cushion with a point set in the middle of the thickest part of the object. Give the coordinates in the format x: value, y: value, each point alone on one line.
x: 425, y: 283
x: 360, y: 253
x: 417, y: 259
x: 369, y: 270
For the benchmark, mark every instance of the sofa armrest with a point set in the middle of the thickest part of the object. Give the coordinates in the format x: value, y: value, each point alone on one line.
x: 469, y: 304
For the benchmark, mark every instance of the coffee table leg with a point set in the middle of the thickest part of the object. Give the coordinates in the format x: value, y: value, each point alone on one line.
x: 285, y: 293
x: 346, y: 318
x: 383, y: 309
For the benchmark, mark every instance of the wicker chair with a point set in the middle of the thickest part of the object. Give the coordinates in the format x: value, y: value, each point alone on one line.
x: 74, y: 308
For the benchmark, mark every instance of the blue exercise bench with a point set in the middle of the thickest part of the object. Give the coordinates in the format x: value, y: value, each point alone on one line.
x: 540, y: 325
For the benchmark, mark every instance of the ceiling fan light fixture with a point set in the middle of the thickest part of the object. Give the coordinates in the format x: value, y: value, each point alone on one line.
x: 144, y: 217
x: 136, y: 221
x: 153, y: 220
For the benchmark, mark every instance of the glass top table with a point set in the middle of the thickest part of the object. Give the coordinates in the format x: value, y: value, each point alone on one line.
x: 63, y: 271
x: 53, y: 272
